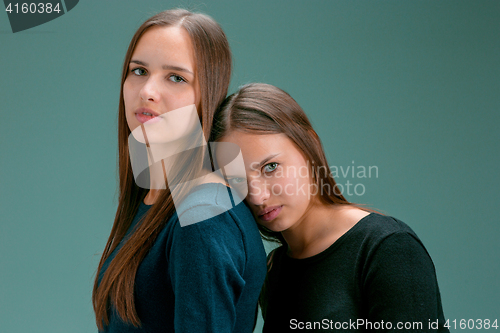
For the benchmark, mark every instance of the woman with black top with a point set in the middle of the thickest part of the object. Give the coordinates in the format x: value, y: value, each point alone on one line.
x: 183, y: 254
x: 340, y: 268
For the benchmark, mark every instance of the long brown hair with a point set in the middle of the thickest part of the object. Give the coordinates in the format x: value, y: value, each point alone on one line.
x: 265, y: 109
x: 213, y: 63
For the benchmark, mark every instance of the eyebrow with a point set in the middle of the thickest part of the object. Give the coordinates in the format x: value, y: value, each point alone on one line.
x: 264, y: 161
x: 164, y: 67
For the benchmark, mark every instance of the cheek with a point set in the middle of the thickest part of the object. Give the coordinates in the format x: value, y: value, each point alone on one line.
x: 287, y: 188
x: 129, y: 106
x: 295, y: 193
x: 178, y: 97
x: 127, y: 94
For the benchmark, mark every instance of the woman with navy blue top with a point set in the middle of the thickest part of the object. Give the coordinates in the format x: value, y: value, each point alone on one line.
x: 184, y: 253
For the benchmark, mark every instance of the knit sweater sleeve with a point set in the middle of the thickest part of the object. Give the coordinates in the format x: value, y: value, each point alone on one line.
x: 206, y: 264
x: 401, y: 286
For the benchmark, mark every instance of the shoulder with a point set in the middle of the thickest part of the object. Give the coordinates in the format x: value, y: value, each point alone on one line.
x: 377, y: 227
x: 210, y: 212
x: 202, y: 203
x: 208, y: 228
x: 389, y: 237
x: 211, y: 201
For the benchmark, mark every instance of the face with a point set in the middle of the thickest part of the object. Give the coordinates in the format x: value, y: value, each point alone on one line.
x: 278, y: 178
x: 162, y: 78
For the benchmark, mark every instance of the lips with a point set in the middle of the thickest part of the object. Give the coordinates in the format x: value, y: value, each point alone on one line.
x: 146, y: 115
x: 270, y: 213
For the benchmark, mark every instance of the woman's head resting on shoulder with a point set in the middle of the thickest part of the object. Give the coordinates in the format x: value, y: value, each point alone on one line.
x: 285, y: 166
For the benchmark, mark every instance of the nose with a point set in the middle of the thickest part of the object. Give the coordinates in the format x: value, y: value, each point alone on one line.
x: 258, y: 192
x: 150, y: 90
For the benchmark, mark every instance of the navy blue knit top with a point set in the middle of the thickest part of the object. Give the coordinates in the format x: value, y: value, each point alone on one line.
x: 203, y: 277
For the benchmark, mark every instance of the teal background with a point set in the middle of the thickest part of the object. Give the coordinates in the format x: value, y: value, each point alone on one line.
x: 411, y: 87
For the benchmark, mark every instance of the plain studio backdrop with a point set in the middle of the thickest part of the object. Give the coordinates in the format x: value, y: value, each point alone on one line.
x: 409, y: 88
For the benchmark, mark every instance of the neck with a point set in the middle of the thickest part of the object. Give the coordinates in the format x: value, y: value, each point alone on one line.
x: 319, y: 228
x: 308, y: 230
x: 158, y: 171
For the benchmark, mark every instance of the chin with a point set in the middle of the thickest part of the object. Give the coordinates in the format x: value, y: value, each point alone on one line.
x: 274, y: 226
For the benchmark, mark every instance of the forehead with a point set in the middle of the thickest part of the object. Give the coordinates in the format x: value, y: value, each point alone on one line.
x: 168, y: 43
x: 255, y: 147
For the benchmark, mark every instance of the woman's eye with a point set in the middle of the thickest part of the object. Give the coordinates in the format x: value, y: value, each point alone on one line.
x: 270, y: 167
x: 176, y: 78
x: 139, y: 71
x: 236, y: 181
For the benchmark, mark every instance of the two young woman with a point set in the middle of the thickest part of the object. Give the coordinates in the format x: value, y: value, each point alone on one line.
x: 337, y: 262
